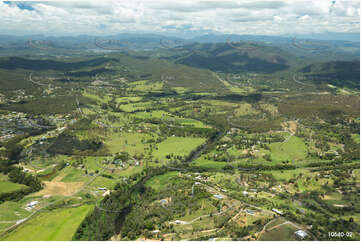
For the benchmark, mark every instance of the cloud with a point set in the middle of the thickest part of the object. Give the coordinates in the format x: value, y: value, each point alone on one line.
x: 263, y: 5
x: 70, y: 17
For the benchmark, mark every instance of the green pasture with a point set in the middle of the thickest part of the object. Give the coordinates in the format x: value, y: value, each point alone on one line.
x: 160, y: 182
x: 181, y: 146
x: 58, y: 224
x: 293, y: 150
x: 7, y: 186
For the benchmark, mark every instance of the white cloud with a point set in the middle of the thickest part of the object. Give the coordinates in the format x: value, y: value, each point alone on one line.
x: 229, y: 16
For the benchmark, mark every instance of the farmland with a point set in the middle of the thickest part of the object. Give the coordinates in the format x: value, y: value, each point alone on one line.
x: 54, y: 225
x: 136, y: 147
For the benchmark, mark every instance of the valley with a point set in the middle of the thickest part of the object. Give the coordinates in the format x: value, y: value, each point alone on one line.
x: 218, y: 142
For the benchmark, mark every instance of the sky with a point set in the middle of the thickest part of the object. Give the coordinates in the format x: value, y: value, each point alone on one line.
x: 108, y: 17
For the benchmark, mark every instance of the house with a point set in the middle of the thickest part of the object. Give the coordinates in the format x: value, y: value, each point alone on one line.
x: 245, y: 193
x: 218, y: 196
x: 31, y: 205
x: 277, y: 211
x: 250, y: 212
x: 301, y: 234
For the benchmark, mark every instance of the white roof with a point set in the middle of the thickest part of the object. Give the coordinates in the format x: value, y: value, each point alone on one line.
x: 277, y: 211
x: 33, y: 203
x: 301, y: 233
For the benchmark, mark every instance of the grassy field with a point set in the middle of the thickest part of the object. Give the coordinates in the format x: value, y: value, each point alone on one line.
x: 159, y: 182
x: 130, y: 171
x: 202, y: 162
x: 132, y: 107
x: 71, y: 174
x: 282, y: 233
x: 160, y: 114
x: 127, y: 99
x: 146, y: 86
x: 8, y: 186
x: 58, y: 224
x: 294, y: 149
x: 129, y: 142
x: 104, y: 182
x: 96, y: 97
x: 12, y: 211
x: 177, y: 146
x: 245, y: 109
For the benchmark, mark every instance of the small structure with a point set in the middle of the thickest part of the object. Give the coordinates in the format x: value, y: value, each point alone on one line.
x: 250, y: 212
x: 277, y: 211
x: 164, y: 201
x: 106, y: 193
x: 102, y: 188
x: 245, y: 193
x: 301, y: 234
x: 31, y: 205
x: 218, y: 196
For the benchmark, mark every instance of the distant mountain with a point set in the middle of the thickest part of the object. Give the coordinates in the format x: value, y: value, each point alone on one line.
x: 325, y: 48
x: 234, y: 57
x: 355, y: 37
x: 215, y: 38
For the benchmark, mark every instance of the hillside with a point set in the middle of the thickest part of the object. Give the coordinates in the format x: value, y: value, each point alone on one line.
x: 85, y: 69
x: 337, y: 73
x: 235, y: 57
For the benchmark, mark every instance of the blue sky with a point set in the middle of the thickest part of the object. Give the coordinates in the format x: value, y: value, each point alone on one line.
x: 104, y: 17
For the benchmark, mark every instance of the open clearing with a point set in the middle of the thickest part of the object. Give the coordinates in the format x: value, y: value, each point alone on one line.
x: 60, y: 188
x: 58, y: 224
x: 293, y: 149
x: 281, y: 233
x: 159, y: 182
x: 8, y: 186
x: 181, y: 146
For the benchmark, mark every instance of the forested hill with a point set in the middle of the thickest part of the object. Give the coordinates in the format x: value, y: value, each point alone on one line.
x: 338, y: 73
x: 235, y: 57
